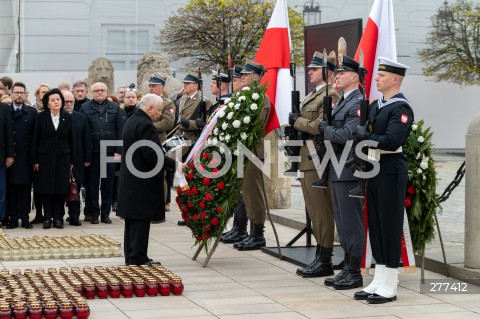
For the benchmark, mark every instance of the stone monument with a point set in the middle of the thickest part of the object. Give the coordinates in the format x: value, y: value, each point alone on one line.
x: 154, y: 63
x: 101, y: 70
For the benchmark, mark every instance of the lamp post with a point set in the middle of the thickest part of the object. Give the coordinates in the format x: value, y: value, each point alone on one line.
x: 312, y: 14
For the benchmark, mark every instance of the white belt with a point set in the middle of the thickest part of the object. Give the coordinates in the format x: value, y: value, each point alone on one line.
x: 374, y: 153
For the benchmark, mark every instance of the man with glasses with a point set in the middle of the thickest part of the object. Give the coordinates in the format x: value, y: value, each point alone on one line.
x: 19, y: 175
x: 106, y: 123
x: 83, y: 153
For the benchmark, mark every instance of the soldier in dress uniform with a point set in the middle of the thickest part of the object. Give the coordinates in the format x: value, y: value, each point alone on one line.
x: 224, y: 81
x: 347, y: 211
x: 389, y: 124
x: 317, y: 200
x: 189, y: 109
x: 240, y: 220
x: 156, y: 85
x: 253, y: 190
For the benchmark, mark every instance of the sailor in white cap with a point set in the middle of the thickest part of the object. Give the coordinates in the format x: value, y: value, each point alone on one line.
x: 389, y: 124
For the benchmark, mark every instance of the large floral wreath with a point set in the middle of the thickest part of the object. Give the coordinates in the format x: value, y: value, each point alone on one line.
x: 421, y: 199
x: 212, y: 193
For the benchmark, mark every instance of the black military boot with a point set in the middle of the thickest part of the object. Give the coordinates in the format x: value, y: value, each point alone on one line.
x: 354, y: 277
x: 346, y: 267
x: 244, y: 240
x: 359, y: 191
x: 255, y: 240
x: 310, y: 265
x: 239, y: 230
x: 321, y: 266
x: 323, y: 181
x: 292, y: 171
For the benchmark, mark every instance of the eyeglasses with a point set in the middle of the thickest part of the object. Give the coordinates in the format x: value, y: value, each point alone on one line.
x: 99, y: 91
x: 18, y: 93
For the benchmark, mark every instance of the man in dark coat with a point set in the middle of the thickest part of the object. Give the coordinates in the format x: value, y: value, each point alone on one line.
x: 347, y: 211
x: 106, y: 123
x: 19, y: 175
x: 83, y: 153
x: 141, y: 189
x: 6, y: 152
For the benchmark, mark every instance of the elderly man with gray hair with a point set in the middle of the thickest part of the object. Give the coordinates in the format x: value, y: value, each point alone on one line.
x: 140, y: 192
x: 106, y: 123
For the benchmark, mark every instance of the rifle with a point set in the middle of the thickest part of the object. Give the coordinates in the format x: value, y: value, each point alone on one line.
x: 327, y: 116
x: 218, y: 81
x: 290, y: 131
x: 352, y: 157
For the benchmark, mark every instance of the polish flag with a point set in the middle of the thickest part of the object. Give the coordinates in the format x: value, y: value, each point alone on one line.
x: 274, y: 55
x: 378, y: 40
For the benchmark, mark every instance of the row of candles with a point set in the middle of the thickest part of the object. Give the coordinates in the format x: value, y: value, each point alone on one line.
x: 37, y: 295
x: 51, y: 294
x: 57, y: 247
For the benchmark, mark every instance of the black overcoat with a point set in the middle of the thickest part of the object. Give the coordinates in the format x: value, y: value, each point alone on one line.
x: 21, y: 170
x: 141, y: 198
x: 6, y: 133
x: 83, y: 145
x: 54, y: 151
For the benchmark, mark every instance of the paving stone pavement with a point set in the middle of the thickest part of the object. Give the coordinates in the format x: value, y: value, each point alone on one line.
x: 238, y: 285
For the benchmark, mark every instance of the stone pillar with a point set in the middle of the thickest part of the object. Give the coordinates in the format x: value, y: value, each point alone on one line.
x: 472, y: 198
x: 277, y: 187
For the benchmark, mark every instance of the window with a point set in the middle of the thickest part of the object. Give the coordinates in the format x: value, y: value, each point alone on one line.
x: 115, y: 41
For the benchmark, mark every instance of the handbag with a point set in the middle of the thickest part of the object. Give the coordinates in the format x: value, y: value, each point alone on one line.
x: 72, y: 195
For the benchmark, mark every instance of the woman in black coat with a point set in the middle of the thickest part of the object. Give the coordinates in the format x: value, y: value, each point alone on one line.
x: 53, y: 156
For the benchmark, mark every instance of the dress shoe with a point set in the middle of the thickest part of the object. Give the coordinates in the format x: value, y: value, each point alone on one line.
x: 27, y: 225
x: 361, y: 295
x: 182, y: 223
x: 75, y: 222
x: 12, y: 225
x: 152, y: 262
x: 106, y: 220
x: 321, y: 265
x: 88, y: 218
x: 58, y: 223
x: 37, y: 220
x: 94, y: 220
x: 47, y: 224
x: 157, y: 221
x: 377, y: 299
x: 167, y: 207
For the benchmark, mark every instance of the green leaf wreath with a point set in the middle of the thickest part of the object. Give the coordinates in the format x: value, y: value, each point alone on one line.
x: 209, y: 201
x: 421, y: 199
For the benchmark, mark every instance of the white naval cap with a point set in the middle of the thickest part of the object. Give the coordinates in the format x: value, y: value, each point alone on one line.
x: 387, y: 65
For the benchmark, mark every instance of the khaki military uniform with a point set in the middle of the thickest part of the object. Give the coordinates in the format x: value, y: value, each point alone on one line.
x: 167, y: 120
x: 252, y: 187
x: 187, y: 107
x: 318, y: 201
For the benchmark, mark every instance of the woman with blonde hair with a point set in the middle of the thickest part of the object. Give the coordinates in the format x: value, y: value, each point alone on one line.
x: 39, y: 92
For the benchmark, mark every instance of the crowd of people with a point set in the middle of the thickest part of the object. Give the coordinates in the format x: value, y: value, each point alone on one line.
x: 56, y: 139
x: 59, y: 137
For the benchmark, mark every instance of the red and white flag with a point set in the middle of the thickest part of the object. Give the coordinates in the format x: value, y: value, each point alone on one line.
x: 378, y: 40
x: 274, y: 55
